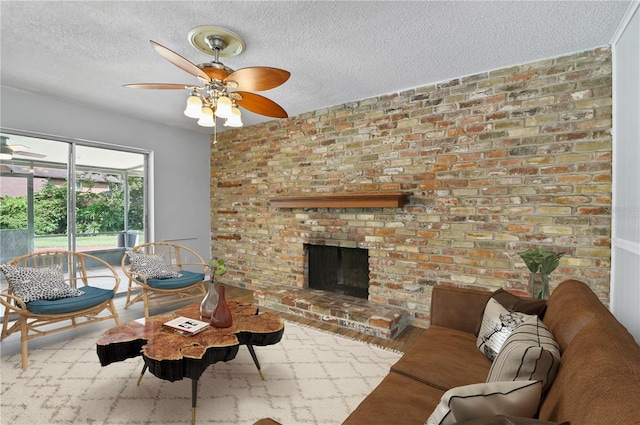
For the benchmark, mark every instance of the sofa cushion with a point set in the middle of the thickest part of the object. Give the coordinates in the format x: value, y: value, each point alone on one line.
x: 438, y: 357
x: 185, y: 279
x: 151, y: 266
x: 598, y: 381
x: 513, y: 398
x: 91, y: 296
x: 38, y: 283
x: 513, y: 302
x: 266, y: 421
x: 571, y: 306
x: 457, y: 308
x: 529, y: 354
x: 398, y: 399
x: 497, y: 325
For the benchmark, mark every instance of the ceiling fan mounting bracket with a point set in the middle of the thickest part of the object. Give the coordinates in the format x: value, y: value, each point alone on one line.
x: 216, y: 41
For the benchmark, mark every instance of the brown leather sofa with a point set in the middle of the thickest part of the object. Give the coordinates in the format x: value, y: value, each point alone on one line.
x: 598, y: 380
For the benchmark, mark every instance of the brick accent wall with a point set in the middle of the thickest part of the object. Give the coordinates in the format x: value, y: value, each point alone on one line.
x: 495, y: 163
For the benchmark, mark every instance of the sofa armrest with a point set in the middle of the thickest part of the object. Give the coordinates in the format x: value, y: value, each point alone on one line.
x: 457, y: 308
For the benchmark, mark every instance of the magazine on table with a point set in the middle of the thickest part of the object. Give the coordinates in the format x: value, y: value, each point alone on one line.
x: 186, y: 325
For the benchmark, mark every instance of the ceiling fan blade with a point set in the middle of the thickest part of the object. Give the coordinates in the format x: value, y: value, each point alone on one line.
x: 16, y: 147
x: 260, y: 105
x: 30, y: 154
x: 214, y: 73
x: 179, y: 61
x: 258, y: 78
x: 161, y: 86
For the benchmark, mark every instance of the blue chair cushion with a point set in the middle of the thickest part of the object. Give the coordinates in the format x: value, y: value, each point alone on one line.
x: 92, y: 296
x: 187, y: 279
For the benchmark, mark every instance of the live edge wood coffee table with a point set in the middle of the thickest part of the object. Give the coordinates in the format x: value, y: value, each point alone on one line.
x: 171, y: 356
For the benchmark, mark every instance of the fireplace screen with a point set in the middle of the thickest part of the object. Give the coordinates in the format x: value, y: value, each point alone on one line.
x: 339, y: 270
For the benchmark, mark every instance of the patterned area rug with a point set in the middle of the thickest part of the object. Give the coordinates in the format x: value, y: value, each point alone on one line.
x: 312, y: 377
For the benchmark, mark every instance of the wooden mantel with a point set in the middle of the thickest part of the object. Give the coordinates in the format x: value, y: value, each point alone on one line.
x: 342, y: 200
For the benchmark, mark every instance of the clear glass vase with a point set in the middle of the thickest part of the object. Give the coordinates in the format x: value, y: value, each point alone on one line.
x: 539, y: 285
x: 210, y: 301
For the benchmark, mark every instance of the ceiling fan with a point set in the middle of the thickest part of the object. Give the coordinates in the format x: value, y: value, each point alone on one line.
x: 8, y: 151
x: 221, y: 89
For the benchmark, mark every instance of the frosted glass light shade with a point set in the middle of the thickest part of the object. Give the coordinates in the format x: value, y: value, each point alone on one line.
x: 223, y: 107
x: 206, y: 119
x: 194, y: 106
x: 235, y: 119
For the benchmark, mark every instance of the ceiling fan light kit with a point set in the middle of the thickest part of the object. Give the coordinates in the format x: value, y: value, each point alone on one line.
x: 223, y: 107
x: 215, y: 97
x: 235, y: 120
x: 194, y: 106
x: 206, y: 117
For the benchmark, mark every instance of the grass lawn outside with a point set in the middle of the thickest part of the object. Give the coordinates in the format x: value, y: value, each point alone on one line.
x: 82, y: 241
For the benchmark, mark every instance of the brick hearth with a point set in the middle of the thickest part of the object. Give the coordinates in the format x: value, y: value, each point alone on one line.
x: 341, y: 310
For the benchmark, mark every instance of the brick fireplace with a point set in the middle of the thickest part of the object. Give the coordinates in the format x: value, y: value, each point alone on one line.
x: 336, y: 305
x: 487, y: 165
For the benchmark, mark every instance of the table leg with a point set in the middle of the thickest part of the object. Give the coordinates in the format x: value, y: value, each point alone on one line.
x: 255, y: 359
x: 144, y: 369
x: 194, y: 397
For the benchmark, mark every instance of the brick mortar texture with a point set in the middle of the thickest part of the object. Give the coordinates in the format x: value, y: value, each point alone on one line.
x: 495, y: 163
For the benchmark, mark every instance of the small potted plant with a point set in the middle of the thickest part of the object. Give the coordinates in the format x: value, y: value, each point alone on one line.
x: 540, y: 263
x: 217, y: 266
x: 210, y: 300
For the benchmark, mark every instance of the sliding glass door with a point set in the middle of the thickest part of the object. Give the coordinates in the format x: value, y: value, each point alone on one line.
x: 67, y: 194
x: 109, y: 199
x: 16, y: 215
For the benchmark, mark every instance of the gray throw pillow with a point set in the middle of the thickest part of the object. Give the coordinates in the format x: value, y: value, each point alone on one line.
x: 43, y: 283
x: 529, y: 353
x: 520, y: 398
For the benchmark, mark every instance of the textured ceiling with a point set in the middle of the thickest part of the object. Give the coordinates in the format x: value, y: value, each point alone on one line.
x: 337, y: 52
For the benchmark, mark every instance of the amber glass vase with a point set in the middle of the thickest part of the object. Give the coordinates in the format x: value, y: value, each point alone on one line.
x: 221, y: 317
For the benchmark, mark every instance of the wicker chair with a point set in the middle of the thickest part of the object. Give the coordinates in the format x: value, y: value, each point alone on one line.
x: 93, y: 276
x: 155, y: 291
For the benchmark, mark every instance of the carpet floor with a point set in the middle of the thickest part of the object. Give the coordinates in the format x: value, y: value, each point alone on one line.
x: 311, y: 377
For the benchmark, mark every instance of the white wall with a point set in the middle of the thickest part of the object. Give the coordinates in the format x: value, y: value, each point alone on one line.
x: 180, y: 164
x: 625, y: 269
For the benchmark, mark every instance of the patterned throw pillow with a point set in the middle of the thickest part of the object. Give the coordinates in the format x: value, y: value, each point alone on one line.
x: 529, y: 353
x: 516, y: 398
x: 151, y: 266
x: 44, y: 283
x: 497, y: 325
x: 513, y: 302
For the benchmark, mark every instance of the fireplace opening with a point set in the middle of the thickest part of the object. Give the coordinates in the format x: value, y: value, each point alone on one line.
x: 339, y: 270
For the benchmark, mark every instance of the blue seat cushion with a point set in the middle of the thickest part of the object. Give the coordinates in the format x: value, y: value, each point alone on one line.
x: 92, y: 296
x: 187, y: 279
